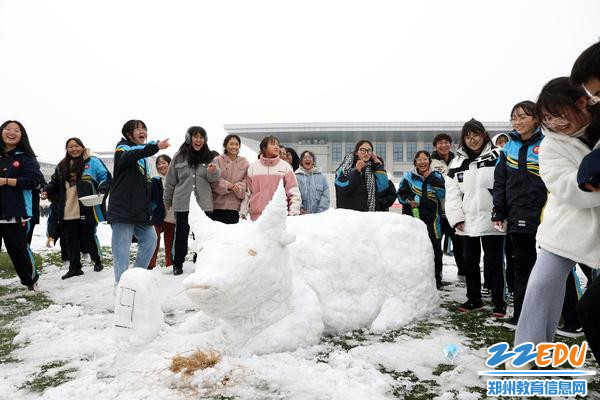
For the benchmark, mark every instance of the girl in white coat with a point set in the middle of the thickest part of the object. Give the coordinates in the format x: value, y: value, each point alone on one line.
x: 469, y: 210
x: 570, y: 226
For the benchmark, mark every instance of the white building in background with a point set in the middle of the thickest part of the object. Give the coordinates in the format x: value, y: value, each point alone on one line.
x: 108, y: 158
x: 395, y: 142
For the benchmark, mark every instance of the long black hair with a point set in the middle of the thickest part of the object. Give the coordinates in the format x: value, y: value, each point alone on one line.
x: 192, y: 156
x: 23, y: 144
x: 295, y: 158
x: 69, y: 166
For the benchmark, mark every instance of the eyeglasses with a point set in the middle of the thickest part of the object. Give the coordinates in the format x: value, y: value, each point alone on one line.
x: 519, y: 117
x: 365, y: 151
x: 472, y: 135
x: 593, y: 99
x: 555, y: 122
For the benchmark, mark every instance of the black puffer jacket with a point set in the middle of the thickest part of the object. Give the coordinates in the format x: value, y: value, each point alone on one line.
x: 131, y: 191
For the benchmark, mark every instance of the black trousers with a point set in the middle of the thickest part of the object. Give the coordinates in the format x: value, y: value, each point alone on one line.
x: 525, y: 255
x: 30, y: 233
x: 80, y: 235
x: 15, y: 241
x: 457, y: 244
x: 493, y: 249
x: 437, y: 256
x: 509, y: 256
x: 182, y: 232
x: 588, y: 311
x: 226, y: 216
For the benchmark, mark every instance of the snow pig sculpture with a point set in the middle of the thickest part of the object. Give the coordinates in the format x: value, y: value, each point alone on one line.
x: 279, y: 283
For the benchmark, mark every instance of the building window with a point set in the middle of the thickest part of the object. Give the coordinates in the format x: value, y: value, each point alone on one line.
x: 411, y: 150
x: 398, y: 156
x: 429, y: 147
x: 336, y: 152
x: 349, y: 148
x: 380, y: 150
x: 398, y: 174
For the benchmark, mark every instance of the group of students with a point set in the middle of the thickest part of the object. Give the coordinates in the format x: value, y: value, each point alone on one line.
x: 536, y: 187
x: 485, y: 197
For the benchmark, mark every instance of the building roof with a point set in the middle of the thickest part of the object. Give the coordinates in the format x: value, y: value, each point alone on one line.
x: 354, y: 131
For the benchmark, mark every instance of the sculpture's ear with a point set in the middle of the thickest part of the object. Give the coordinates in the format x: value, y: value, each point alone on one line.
x: 271, y: 222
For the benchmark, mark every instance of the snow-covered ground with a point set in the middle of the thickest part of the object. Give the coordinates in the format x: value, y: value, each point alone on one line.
x: 72, y: 341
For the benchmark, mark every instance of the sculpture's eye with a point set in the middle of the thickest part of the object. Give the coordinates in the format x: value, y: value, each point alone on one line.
x: 252, y: 252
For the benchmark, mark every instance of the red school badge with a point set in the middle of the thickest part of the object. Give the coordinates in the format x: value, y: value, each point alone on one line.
x: 16, y: 164
x: 87, y: 166
x: 536, y: 150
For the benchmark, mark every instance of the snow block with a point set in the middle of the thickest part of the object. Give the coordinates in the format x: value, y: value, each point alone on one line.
x: 138, y: 313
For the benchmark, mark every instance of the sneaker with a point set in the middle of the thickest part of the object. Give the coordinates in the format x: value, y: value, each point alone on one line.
x: 499, y: 312
x: 72, y: 273
x: 570, y: 331
x: 177, y: 270
x: 31, y: 290
x: 98, y: 267
x: 471, y: 306
x: 167, y: 269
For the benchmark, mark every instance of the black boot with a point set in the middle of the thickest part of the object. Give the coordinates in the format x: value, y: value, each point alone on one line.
x: 71, y: 273
x: 177, y: 270
x: 98, y: 267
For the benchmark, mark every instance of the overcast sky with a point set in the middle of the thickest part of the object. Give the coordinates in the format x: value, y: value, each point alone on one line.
x: 80, y: 68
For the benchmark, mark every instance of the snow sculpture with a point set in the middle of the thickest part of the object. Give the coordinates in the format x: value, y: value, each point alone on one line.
x: 279, y: 283
x: 138, y: 314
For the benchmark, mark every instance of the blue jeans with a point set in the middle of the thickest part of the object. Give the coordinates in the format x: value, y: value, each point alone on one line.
x: 121, y: 246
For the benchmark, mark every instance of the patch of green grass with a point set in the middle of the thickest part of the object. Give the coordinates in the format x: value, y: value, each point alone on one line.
x: 6, y: 267
x: 418, y: 330
x: 348, y: 341
x: 441, y: 368
x: 51, y: 375
x: 13, y: 307
x: 408, y: 386
x: 474, y: 326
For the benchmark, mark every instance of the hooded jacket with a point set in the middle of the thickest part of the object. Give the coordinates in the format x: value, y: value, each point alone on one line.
x: 131, y: 191
x: 16, y: 202
x: 263, y: 177
x: 314, y: 190
x: 95, y: 179
x: 430, y: 206
x: 571, y: 219
x: 469, y: 192
x: 519, y: 192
